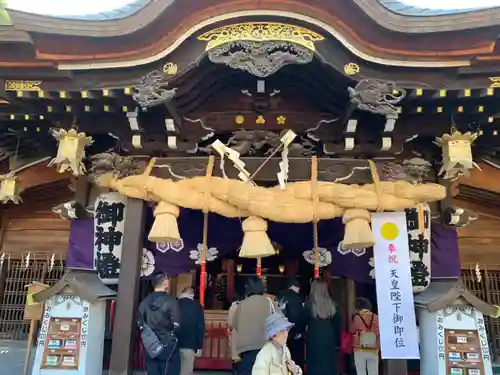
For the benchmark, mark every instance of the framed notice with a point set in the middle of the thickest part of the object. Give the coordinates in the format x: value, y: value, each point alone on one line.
x: 463, y: 352
x: 62, y: 344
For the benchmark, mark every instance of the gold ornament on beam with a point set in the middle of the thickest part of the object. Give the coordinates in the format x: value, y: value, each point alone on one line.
x: 457, y: 153
x: 351, y: 69
x: 170, y: 68
x: 9, y: 189
x: 71, y: 151
x: 260, y: 32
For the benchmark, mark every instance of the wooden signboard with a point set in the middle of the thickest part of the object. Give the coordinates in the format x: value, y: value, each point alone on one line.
x: 33, y: 310
x: 463, y: 352
x: 62, y: 344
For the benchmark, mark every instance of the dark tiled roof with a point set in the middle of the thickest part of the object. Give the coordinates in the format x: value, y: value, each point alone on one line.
x: 400, y: 7
x: 132, y: 7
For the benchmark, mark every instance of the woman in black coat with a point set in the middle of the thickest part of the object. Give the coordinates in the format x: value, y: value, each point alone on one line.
x: 323, y: 324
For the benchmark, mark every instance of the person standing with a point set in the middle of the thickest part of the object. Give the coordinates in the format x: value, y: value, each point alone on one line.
x: 161, y: 313
x: 323, y: 331
x: 291, y: 304
x: 248, y: 321
x: 365, y: 338
x: 236, y: 360
x: 274, y: 358
x: 192, y: 331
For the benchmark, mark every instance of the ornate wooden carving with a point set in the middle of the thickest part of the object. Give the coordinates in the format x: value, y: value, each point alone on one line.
x: 377, y: 97
x: 349, y: 171
x: 152, y: 90
x: 260, y: 59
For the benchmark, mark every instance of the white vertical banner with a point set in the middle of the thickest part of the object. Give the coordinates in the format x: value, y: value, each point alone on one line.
x: 441, y: 346
x: 109, y: 222
x: 398, y: 328
x: 483, y: 341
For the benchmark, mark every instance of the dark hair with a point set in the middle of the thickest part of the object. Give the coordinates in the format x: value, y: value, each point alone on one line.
x: 254, y: 286
x: 363, y: 303
x: 159, y: 280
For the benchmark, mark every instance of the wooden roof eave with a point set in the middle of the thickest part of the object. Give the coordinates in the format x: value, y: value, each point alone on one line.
x: 149, y: 13
x: 85, y: 284
x: 168, y: 39
x: 466, y: 20
x: 111, y: 28
x: 448, y: 293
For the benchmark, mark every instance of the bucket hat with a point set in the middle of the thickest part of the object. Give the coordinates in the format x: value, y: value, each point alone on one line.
x: 275, y: 323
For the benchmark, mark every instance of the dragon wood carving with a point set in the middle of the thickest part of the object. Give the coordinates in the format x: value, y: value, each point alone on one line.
x: 377, y: 97
x: 152, y: 90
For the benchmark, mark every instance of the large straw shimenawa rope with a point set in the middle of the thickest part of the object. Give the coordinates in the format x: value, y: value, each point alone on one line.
x: 294, y: 204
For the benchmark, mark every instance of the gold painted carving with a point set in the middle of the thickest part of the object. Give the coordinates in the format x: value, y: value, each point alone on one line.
x: 260, y: 120
x: 170, y: 68
x: 281, y: 120
x: 239, y: 120
x: 260, y: 32
x: 351, y: 69
x: 23, y: 86
x: 494, y: 82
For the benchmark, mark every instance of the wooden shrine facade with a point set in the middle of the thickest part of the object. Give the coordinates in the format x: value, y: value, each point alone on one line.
x: 353, y: 81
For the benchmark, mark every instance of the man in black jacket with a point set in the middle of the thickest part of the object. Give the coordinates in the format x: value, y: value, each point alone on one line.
x: 291, y: 304
x: 161, y: 312
x: 192, y: 332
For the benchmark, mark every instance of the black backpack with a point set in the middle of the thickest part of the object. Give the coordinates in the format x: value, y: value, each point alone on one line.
x: 152, y: 344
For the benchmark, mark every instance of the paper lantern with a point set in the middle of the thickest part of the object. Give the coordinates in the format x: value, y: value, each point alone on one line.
x: 9, y: 189
x: 457, y: 153
x: 71, y: 151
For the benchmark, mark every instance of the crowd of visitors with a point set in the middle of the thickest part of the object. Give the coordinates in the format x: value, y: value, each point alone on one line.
x: 268, y: 336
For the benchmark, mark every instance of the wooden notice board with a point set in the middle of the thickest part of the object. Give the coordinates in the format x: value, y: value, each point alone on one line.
x: 463, y: 352
x: 62, y: 344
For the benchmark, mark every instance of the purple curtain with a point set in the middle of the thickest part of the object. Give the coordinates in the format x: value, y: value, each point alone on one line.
x: 226, y: 235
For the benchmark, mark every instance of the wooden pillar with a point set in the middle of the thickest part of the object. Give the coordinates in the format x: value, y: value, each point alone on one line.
x: 395, y: 367
x: 350, y: 289
x: 125, y: 328
x: 230, y: 279
x: 291, y: 266
x: 82, y: 189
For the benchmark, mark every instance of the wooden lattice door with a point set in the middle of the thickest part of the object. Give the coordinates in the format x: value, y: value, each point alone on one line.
x: 488, y: 289
x: 13, y: 279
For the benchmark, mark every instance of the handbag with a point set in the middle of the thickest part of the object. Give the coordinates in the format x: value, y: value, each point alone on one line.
x: 345, y: 342
x: 367, y: 339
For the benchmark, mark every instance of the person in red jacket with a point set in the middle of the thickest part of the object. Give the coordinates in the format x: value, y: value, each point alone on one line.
x: 365, y: 338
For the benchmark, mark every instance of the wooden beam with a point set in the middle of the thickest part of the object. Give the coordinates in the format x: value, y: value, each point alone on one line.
x: 39, y: 174
x: 487, y: 178
x: 346, y: 171
x: 125, y: 328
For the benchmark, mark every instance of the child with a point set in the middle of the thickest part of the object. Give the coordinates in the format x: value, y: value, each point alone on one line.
x: 274, y: 357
